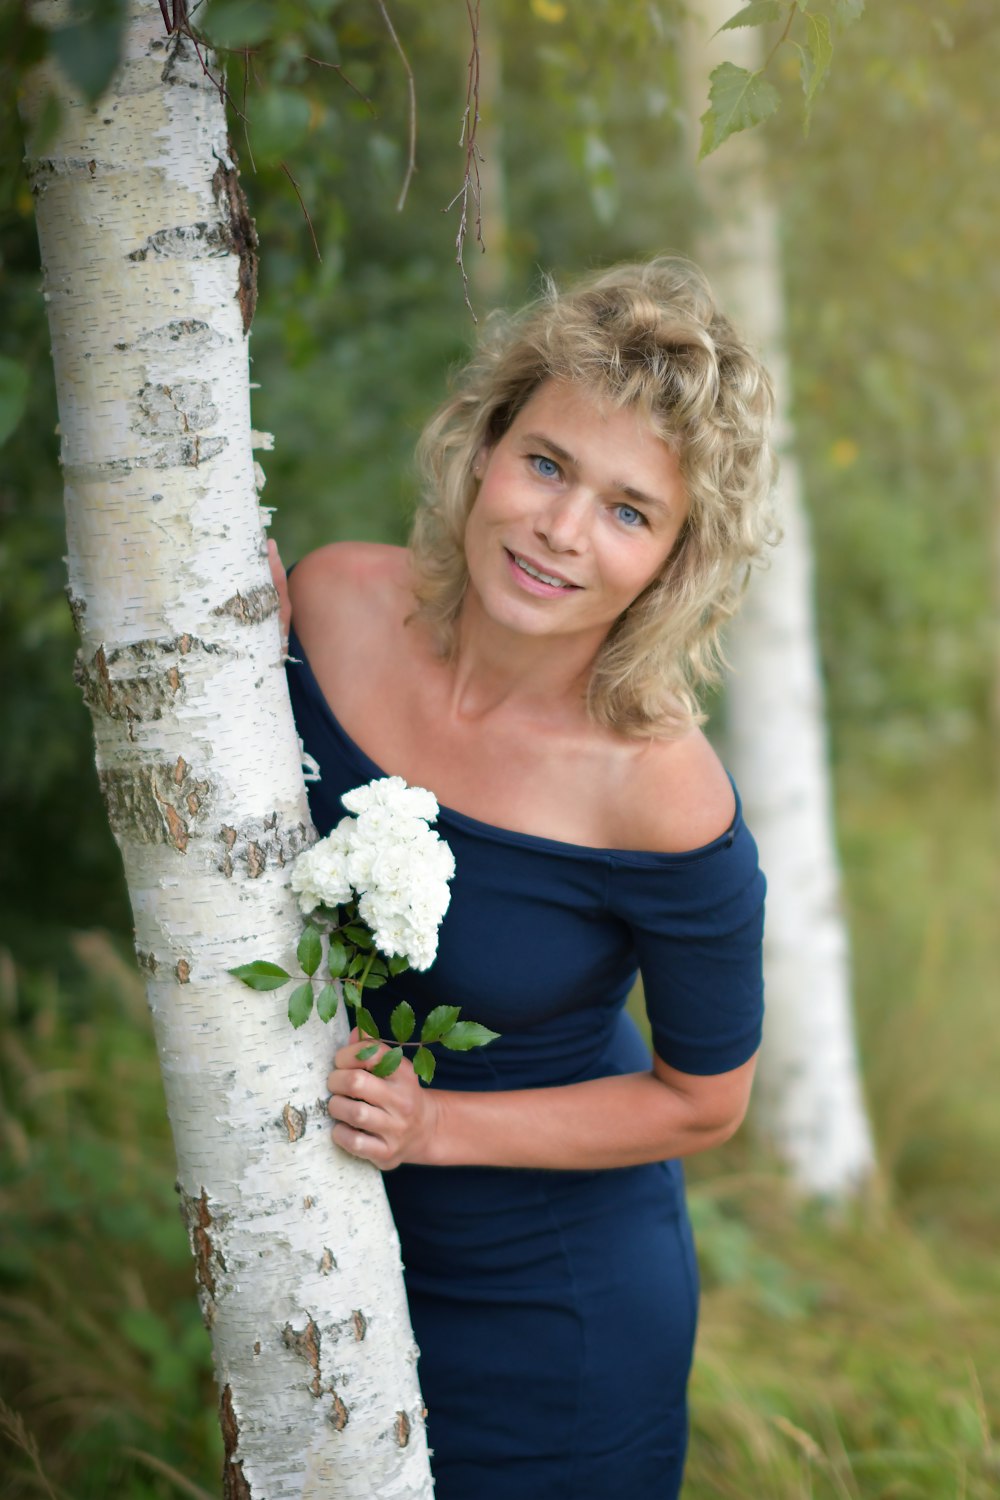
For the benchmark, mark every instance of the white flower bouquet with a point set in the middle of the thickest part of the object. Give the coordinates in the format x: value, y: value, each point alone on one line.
x: 377, y: 888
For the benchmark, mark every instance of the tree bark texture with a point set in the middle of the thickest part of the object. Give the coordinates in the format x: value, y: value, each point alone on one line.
x: 808, y: 1097
x: 148, y: 257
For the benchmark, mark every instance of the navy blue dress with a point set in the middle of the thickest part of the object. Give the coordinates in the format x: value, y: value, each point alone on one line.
x: 555, y: 1311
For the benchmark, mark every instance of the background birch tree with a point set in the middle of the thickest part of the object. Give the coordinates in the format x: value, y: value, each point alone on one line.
x: 809, y: 1095
x: 149, y: 260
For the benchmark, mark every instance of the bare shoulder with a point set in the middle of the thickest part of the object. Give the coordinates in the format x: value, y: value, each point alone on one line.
x: 677, y: 796
x: 345, y: 577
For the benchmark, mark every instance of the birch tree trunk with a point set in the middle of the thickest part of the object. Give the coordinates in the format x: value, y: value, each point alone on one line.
x: 809, y: 1097
x: 148, y: 260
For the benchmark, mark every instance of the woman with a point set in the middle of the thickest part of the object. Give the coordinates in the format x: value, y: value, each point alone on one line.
x: 597, y: 487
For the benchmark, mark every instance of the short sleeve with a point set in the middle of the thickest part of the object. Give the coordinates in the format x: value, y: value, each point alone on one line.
x: 697, y: 924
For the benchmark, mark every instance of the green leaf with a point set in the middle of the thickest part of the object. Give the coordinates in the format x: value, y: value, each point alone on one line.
x: 848, y: 11
x: 424, y: 1063
x: 389, y: 1063
x: 738, y: 99
x: 310, y: 950
x: 403, y: 1021
x: 757, y: 13
x: 379, y: 967
x: 440, y: 1020
x: 360, y: 936
x: 238, y: 23
x: 466, y: 1035
x: 356, y: 964
x: 366, y: 1052
x: 326, y: 1003
x: 352, y: 992
x: 816, y: 60
x: 375, y: 981
x: 365, y: 1022
x: 14, y: 383
x: 260, y: 975
x: 300, y: 1004
x: 398, y: 964
x: 336, y: 959
x: 89, y: 50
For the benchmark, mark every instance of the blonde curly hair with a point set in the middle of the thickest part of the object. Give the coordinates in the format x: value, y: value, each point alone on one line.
x: 648, y: 336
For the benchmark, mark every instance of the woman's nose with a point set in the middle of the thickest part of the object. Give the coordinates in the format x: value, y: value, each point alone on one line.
x: 562, y: 525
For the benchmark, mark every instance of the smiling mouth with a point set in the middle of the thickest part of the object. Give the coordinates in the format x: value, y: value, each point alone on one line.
x: 552, y: 579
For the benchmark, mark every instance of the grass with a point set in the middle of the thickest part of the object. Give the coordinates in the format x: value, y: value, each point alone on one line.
x: 839, y: 1358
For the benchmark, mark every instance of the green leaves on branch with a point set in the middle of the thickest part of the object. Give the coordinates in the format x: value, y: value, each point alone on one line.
x: 737, y: 99
x: 262, y: 975
x: 357, y: 971
x: 465, y: 1035
x: 300, y: 1004
x: 740, y: 98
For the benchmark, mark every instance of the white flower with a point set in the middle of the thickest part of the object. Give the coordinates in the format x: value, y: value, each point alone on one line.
x: 388, y: 857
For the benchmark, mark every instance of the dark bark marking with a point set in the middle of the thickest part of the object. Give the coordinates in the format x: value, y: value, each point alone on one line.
x: 252, y: 607
x: 142, y: 803
x: 327, y: 1262
x: 234, y: 1484
x: 295, y: 1122
x: 193, y: 332
x: 77, y: 608
x: 183, y: 971
x: 402, y: 1429
x: 242, y: 233
x: 360, y: 1323
x: 309, y: 1203
x: 184, y: 407
x: 184, y: 242
x: 338, y: 1413
x: 180, y: 770
x: 146, y: 961
x: 256, y: 1347
x: 208, y: 1261
x: 258, y: 841
x: 306, y: 1345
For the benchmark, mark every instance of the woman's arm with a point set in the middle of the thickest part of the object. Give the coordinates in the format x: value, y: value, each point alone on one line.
x: 605, y: 1122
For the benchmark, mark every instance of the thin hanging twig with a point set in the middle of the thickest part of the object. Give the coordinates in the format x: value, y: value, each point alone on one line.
x: 471, y: 186
x: 336, y: 68
x: 411, y: 165
x: 302, y: 205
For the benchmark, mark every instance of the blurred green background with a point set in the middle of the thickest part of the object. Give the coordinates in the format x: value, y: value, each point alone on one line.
x: 850, y: 1357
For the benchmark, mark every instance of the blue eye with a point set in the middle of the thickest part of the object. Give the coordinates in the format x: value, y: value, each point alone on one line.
x: 546, y: 467
x: 630, y: 516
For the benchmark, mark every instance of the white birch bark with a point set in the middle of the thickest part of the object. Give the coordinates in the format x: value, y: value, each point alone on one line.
x: 147, y: 260
x: 808, y: 1095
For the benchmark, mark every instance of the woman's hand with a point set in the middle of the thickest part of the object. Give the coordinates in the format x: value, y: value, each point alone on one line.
x: 280, y: 581
x: 385, y: 1120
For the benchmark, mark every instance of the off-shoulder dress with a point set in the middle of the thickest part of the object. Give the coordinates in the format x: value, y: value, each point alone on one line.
x: 555, y: 1311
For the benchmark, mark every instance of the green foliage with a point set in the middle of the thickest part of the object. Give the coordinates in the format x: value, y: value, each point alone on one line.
x: 104, y: 1364
x: 740, y: 98
x: 441, y: 1019
x: 14, y: 382
x: 402, y: 1021
x: 326, y: 1003
x: 300, y: 1004
x: 737, y: 100
x: 388, y: 1063
x: 261, y: 975
x: 310, y: 950
x: 89, y: 48
x: 465, y: 1035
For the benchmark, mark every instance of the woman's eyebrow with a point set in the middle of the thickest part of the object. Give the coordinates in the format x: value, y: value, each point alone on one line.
x: 628, y: 490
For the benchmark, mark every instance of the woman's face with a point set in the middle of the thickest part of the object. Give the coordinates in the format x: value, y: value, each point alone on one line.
x: 578, y: 508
